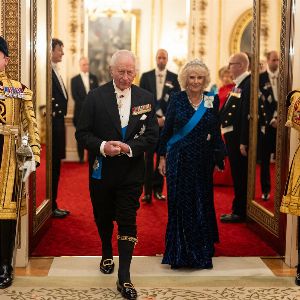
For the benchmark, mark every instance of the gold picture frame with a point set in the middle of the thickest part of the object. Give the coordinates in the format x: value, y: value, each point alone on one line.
x: 108, y: 33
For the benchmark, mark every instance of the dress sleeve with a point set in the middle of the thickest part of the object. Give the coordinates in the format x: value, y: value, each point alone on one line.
x: 219, y: 146
x: 29, y: 123
x: 168, y: 128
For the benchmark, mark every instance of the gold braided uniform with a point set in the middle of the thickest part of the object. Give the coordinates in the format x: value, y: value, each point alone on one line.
x: 291, y: 200
x: 16, y: 117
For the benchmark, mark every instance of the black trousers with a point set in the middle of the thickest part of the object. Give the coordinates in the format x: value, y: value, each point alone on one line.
x: 114, y: 202
x: 154, y: 181
x: 7, y: 241
x: 268, y: 146
x: 58, y: 153
x: 56, y: 164
x: 239, y: 173
x: 80, y: 151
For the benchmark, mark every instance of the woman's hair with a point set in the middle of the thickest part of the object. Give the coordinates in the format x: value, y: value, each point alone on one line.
x: 222, y: 71
x: 195, y: 65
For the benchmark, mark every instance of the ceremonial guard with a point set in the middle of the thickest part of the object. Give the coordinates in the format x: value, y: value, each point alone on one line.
x: 16, y: 117
x: 290, y: 203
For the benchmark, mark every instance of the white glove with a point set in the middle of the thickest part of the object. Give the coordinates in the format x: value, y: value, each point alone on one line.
x: 28, y: 166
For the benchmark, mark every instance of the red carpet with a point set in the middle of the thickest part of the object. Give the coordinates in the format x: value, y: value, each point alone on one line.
x: 77, y: 235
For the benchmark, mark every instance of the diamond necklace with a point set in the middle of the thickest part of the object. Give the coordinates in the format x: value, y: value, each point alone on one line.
x: 195, y: 105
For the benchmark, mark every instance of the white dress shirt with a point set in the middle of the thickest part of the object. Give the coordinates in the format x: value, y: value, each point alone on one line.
x: 86, y: 80
x: 160, y: 82
x: 61, y: 82
x: 273, y: 76
x: 124, y: 104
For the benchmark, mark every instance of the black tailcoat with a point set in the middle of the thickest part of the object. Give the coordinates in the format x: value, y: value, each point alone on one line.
x: 267, y: 136
x: 116, y: 194
x: 79, y: 93
x: 235, y: 112
x: 100, y: 121
x: 59, y: 110
x: 148, y: 82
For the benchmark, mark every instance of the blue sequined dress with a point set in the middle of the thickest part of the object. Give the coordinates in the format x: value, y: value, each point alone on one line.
x: 192, y: 227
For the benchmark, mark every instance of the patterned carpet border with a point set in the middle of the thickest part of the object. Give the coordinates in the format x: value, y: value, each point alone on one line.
x: 234, y: 293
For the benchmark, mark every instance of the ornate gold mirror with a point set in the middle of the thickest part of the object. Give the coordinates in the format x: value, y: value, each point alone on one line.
x: 265, y: 212
x: 41, y: 86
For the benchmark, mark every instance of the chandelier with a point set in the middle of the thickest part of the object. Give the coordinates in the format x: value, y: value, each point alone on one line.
x: 109, y: 8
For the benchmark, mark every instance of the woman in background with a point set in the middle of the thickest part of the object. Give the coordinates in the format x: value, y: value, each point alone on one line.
x: 224, y: 178
x: 190, y: 147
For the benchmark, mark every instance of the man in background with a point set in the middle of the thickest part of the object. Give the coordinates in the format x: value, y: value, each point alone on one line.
x: 269, y: 90
x: 59, y: 110
x: 161, y: 83
x: 234, y: 117
x: 81, y: 84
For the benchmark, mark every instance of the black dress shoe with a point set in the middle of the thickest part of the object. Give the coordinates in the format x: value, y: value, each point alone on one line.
x: 146, y: 199
x: 231, y: 218
x: 6, y: 277
x: 107, y: 266
x: 297, y: 278
x: 57, y: 213
x: 127, y: 290
x: 64, y: 211
x: 159, y: 196
x: 265, y: 196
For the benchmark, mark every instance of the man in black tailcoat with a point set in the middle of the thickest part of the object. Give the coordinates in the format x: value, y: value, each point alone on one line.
x: 117, y: 125
x: 161, y: 83
x: 81, y: 84
x: 234, y: 116
x: 59, y: 110
x: 269, y: 87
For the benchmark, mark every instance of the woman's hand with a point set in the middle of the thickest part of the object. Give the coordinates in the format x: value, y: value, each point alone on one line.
x: 162, y: 166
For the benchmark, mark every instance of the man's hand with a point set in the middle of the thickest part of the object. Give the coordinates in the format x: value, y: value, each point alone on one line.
x: 162, y: 166
x: 112, y: 148
x: 161, y: 121
x: 243, y: 149
x: 124, y: 147
x: 274, y: 123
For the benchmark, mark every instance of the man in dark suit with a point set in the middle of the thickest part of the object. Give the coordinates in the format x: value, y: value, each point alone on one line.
x: 117, y: 125
x: 161, y: 83
x: 59, y: 110
x: 81, y: 84
x: 268, y: 85
x: 234, y: 116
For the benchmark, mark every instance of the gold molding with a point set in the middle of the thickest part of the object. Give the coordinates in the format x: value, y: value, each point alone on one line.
x: 11, y: 28
x: 220, y: 17
x: 264, y: 26
x: 152, y: 32
x: 238, y: 29
x: 73, y: 25
x: 197, y: 29
x: 270, y: 221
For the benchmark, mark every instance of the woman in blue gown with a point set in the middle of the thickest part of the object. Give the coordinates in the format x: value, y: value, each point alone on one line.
x: 189, y: 150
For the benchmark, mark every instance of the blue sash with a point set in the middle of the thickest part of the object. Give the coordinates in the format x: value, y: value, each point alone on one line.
x: 97, y: 167
x: 188, y: 127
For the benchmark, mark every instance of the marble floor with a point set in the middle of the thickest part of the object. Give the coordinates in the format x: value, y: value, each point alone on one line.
x: 64, y: 278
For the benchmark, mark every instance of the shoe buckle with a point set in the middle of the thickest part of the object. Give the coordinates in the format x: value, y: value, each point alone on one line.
x: 107, y: 262
x: 128, y: 285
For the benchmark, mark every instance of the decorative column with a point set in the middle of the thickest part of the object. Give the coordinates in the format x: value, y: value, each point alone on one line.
x: 74, y: 50
x: 197, y: 29
x: 264, y: 28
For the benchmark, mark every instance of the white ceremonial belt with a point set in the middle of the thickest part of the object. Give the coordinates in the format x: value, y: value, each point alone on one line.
x: 226, y: 129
